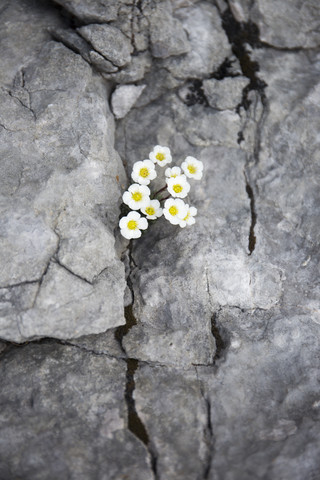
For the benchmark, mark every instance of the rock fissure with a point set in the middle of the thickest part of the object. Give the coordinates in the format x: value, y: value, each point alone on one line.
x: 252, y: 236
x: 210, y: 439
x: 135, y: 423
x: 208, y: 429
x: 221, y: 344
x: 240, y: 35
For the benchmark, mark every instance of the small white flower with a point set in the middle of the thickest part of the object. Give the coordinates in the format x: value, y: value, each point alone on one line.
x: 178, y: 186
x: 137, y: 196
x: 143, y: 172
x: 175, y: 210
x: 152, y: 210
x: 160, y: 155
x: 131, y: 225
x: 173, y: 172
x: 189, y: 218
x: 192, y: 168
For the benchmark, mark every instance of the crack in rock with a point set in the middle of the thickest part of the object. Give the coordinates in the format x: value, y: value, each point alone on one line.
x: 252, y: 237
x: 221, y: 344
x: 135, y: 423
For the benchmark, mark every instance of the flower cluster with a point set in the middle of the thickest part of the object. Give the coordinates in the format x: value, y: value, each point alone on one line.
x: 153, y: 205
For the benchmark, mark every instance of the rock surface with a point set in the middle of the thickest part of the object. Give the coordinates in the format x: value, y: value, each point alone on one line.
x: 280, y: 26
x: 59, y: 200
x: 225, y: 94
x: 108, y: 41
x: 124, y: 98
x: 215, y: 373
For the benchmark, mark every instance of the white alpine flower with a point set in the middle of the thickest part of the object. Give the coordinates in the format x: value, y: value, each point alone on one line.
x: 175, y: 210
x: 152, y: 210
x: 192, y: 168
x: 143, y: 172
x: 132, y: 224
x: 173, y: 172
x: 178, y: 186
x: 137, y: 196
x: 160, y: 155
x: 189, y: 218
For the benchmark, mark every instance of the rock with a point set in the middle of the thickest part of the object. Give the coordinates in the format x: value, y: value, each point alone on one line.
x: 124, y: 98
x: 21, y: 20
x: 101, y: 63
x: 72, y: 40
x: 90, y: 11
x: 27, y: 246
x: 181, y: 447
x: 109, y: 41
x: 282, y: 27
x: 209, y: 44
x: 55, y: 196
x: 214, y: 374
x: 158, y: 82
x: 64, y: 408
x: 167, y: 35
x: 225, y: 94
x: 133, y: 72
x: 264, y: 360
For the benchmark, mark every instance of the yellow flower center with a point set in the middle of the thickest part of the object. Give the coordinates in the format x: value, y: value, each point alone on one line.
x: 192, y: 169
x: 186, y: 217
x: 137, y: 196
x: 144, y: 172
x: 177, y: 188
x: 150, y: 211
x: 173, y: 210
x: 160, y: 156
x: 132, y: 224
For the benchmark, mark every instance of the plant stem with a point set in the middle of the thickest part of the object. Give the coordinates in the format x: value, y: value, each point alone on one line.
x: 161, y: 190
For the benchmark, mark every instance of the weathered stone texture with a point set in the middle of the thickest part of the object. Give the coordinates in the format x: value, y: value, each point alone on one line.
x: 215, y: 374
x: 54, y: 405
x: 59, y: 197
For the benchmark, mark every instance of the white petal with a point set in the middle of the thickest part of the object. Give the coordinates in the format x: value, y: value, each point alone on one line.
x: 137, y: 166
x: 134, y: 215
x: 143, y: 223
x: 168, y: 203
x: 123, y: 222
x: 145, y: 190
x: 126, y: 197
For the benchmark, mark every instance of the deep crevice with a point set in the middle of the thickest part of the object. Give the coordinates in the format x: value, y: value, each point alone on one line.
x: 252, y: 237
x: 221, y: 344
x: 206, y: 473
x: 196, y: 93
x: 224, y: 70
x: 135, y: 423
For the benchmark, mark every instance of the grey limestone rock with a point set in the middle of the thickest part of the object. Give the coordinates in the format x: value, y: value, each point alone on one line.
x: 91, y: 10
x: 109, y: 41
x: 101, y: 63
x: 215, y: 374
x: 225, y: 94
x: 124, y: 98
x: 63, y: 416
x: 182, y: 445
x: 53, y: 191
x: 266, y: 418
x: 209, y: 44
x: 282, y: 25
x: 135, y: 71
x: 167, y: 35
x: 72, y: 40
x: 24, y: 29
